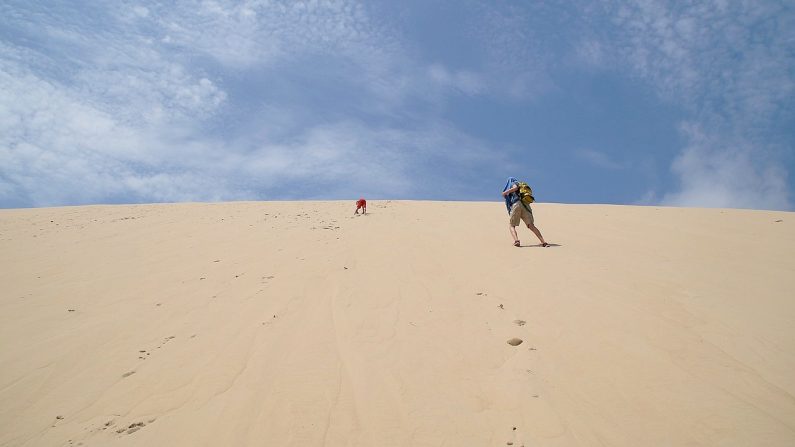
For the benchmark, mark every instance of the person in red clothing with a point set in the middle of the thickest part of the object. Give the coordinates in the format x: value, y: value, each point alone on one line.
x: 361, y: 203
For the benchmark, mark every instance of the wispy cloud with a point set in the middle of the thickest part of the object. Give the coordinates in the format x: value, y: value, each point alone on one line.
x: 242, y: 34
x: 136, y: 135
x: 126, y: 116
x: 730, y: 65
x: 57, y: 148
x: 217, y: 99
x: 464, y: 81
x: 729, y: 178
x: 598, y: 159
x: 518, y: 54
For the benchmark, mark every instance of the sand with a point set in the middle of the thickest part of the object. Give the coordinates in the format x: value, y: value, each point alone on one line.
x: 297, y: 323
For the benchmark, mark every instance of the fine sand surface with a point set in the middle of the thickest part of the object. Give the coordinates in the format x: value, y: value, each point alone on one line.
x: 299, y: 324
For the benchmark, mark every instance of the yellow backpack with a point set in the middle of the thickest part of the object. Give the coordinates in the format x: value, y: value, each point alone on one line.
x: 526, y: 193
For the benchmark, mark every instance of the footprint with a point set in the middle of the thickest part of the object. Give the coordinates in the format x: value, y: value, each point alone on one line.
x: 132, y: 428
x: 515, y: 341
x: 519, y: 322
x: 128, y: 374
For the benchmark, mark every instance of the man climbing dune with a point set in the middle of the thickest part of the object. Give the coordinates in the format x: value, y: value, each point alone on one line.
x: 518, y: 197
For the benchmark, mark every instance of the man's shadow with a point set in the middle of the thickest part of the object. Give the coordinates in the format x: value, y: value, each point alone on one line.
x: 540, y: 246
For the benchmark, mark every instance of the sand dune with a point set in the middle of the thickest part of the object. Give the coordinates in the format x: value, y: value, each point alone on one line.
x: 296, y: 323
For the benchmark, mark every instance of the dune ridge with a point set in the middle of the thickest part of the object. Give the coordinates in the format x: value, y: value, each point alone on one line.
x: 297, y: 323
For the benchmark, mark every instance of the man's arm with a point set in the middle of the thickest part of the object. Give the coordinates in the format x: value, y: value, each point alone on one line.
x: 511, y: 190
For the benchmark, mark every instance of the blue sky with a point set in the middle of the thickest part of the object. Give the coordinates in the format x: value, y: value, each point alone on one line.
x: 630, y: 102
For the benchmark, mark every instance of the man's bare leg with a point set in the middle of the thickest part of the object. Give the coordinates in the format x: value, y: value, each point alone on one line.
x: 513, y: 233
x: 537, y: 233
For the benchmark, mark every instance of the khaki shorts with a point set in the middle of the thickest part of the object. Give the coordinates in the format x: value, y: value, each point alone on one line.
x: 520, y: 211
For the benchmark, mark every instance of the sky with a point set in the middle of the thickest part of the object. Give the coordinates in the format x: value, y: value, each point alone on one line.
x: 680, y: 103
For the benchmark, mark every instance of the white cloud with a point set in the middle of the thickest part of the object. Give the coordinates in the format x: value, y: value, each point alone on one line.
x: 126, y: 102
x: 57, y: 148
x: 598, y: 159
x: 383, y: 162
x: 729, y: 178
x: 124, y: 118
x: 463, y: 81
x: 591, y: 52
x: 648, y: 198
x: 730, y: 65
x: 507, y: 59
x: 261, y: 33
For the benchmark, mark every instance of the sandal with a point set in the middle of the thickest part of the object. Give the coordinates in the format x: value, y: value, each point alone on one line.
x: 545, y: 244
x: 516, y: 244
